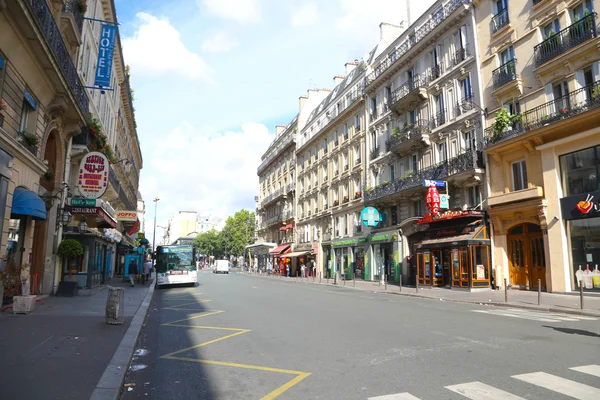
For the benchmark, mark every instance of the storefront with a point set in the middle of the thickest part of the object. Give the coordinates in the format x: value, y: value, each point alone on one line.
x: 280, y: 263
x: 580, y: 209
x: 455, y: 252
x: 382, y: 256
x: 343, y: 258
x: 259, y: 253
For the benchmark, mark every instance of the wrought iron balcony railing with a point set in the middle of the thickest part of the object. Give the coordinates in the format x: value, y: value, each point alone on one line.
x: 500, y: 20
x: 438, y: 119
x: 407, y: 132
x: 436, y: 71
x: 505, y: 73
x: 462, y: 163
x: 42, y: 15
x: 575, y: 103
x: 407, y: 87
x: 460, y: 55
x: 375, y: 153
x: 411, y: 40
x: 568, y: 38
x: 72, y: 7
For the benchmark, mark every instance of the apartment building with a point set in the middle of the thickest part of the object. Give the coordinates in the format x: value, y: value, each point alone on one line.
x: 425, y: 123
x: 330, y: 154
x: 540, y: 61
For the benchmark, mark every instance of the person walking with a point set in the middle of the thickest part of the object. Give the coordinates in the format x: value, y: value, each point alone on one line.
x: 133, y: 271
x: 147, y: 269
x: 303, y: 270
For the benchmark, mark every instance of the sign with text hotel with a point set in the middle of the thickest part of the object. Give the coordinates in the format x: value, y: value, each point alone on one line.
x: 93, y: 175
x: 106, y: 49
x: 127, y: 216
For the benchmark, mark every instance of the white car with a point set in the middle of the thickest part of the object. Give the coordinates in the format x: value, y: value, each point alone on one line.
x: 221, y: 266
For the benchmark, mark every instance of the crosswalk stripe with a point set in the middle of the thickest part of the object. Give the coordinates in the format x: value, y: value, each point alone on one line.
x: 522, y: 316
x: 481, y: 391
x: 588, y: 369
x: 561, y: 385
x: 397, y: 396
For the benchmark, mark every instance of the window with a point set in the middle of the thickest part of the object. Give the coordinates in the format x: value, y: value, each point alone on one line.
x: 474, y: 195
x: 468, y: 141
x: 357, y: 123
x: 579, y: 171
x: 345, y: 131
x: 465, y: 86
x: 442, y: 152
x: 416, y: 208
x: 480, y: 259
x: 373, y: 141
x: 506, y: 55
x: 414, y: 162
x: 27, y: 112
x: 394, y: 212
x: 519, y: 172
x: 580, y: 10
x: 412, y: 117
x: 551, y: 28
x: 346, y: 224
x: 500, y: 5
x: 392, y: 172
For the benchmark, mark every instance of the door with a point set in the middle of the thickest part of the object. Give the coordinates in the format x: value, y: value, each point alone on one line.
x: 526, y: 257
x: 38, y: 250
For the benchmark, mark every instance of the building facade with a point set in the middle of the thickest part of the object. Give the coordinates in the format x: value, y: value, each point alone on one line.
x: 424, y: 123
x: 329, y: 154
x: 541, y: 60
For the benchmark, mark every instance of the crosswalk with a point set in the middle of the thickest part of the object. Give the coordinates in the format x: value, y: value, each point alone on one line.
x: 551, y: 383
x: 534, y: 315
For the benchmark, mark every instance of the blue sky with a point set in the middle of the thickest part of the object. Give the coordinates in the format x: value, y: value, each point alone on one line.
x: 212, y: 78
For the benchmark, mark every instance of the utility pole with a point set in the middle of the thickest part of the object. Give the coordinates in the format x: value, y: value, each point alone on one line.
x: 156, y: 200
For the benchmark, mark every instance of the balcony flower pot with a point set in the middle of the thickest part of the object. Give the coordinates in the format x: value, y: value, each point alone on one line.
x: 23, y: 304
x: 29, y: 139
x: 82, y: 6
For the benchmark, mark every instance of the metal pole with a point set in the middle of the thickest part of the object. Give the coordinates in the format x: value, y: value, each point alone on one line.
x: 581, y: 294
x: 400, y: 283
x: 417, y: 284
x: 156, y: 200
x: 385, y: 283
x: 505, y: 291
x: 539, y: 291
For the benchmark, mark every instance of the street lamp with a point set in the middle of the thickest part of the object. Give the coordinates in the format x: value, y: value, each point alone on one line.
x: 156, y: 200
x: 82, y: 225
x: 127, y: 162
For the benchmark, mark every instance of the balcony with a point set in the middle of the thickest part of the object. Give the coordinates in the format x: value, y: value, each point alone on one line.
x: 414, y: 40
x: 500, y: 20
x: 275, y: 149
x: 118, y: 186
x: 274, y: 196
x: 405, y: 139
x: 438, y: 119
x: 410, y: 93
x: 565, y: 40
x: 72, y: 22
x: 517, y: 196
x: 357, y: 162
x: 375, y: 153
x: 436, y: 71
x: 30, y: 141
x: 504, y: 73
x: 462, y: 163
x: 42, y: 15
x: 575, y: 103
x: 460, y: 55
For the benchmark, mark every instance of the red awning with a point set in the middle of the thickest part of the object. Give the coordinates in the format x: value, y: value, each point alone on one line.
x: 278, y: 250
x: 290, y: 226
x: 282, y: 228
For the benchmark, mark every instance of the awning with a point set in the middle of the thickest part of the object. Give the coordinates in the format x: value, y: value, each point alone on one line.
x: 290, y: 226
x: 26, y: 202
x: 476, y: 237
x: 101, y: 220
x: 282, y: 228
x: 278, y: 250
x: 296, y: 254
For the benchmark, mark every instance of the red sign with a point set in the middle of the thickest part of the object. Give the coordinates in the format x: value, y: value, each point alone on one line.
x: 448, y: 215
x: 94, y: 210
x: 433, y: 200
x: 93, y: 175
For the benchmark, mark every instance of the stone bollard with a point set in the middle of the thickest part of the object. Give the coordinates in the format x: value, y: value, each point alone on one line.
x: 115, y: 306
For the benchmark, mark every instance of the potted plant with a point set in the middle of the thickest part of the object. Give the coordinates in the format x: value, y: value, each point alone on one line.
x: 357, y: 195
x: 30, y: 139
x: 82, y: 6
x: 346, y: 199
x: 67, y: 250
x: 336, y: 202
x: 49, y: 175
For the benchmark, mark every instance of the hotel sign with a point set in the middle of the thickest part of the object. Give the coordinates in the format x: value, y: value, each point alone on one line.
x: 106, y: 49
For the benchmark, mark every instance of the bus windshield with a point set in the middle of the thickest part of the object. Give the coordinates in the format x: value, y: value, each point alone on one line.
x: 175, y: 258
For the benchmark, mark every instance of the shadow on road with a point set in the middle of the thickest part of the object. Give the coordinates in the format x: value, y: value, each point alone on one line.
x: 149, y: 375
x: 573, y: 331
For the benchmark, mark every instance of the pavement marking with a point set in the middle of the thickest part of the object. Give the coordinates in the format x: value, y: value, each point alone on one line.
x: 204, y: 314
x: 535, y: 316
x: 561, y: 385
x: 178, y: 306
x: 397, y: 396
x: 170, y: 355
x: 588, y: 369
x: 205, y: 327
x: 481, y: 391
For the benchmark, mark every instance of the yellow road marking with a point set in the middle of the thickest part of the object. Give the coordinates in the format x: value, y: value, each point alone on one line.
x: 236, y: 365
x: 186, y: 304
x: 205, y: 327
x: 286, y: 386
x: 204, y: 314
x: 205, y: 343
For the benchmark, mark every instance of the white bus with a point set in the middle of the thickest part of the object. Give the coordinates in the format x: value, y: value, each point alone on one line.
x: 176, y: 265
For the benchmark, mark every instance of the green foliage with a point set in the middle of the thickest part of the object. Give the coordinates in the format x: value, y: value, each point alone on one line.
x: 99, y: 142
x: 236, y: 235
x: 30, y: 139
x: 69, y: 248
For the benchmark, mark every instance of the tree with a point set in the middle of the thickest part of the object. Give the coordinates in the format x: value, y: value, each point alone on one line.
x: 209, y: 243
x: 238, y: 232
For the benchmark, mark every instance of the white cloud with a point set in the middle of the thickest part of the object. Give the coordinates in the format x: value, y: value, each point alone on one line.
x: 219, y: 43
x: 197, y: 170
x: 306, y: 15
x: 156, y: 49
x: 237, y: 10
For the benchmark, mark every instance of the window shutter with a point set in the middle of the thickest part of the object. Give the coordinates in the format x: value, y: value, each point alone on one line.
x: 579, y: 83
x: 596, y: 71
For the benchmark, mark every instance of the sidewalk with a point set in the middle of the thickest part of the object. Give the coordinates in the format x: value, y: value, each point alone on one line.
x: 564, y: 303
x: 61, y: 350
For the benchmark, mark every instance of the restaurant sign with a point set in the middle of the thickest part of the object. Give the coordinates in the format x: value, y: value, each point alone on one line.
x: 586, y: 205
x: 93, y: 175
x: 96, y: 211
x: 130, y: 216
x: 447, y: 215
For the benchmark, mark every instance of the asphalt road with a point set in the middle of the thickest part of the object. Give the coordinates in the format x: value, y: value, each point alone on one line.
x: 245, y: 337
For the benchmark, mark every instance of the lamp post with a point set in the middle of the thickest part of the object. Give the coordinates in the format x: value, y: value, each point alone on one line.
x: 156, y: 200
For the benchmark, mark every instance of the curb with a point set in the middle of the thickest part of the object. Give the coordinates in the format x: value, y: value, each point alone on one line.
x: 109, y: 385
x: 554, y: 309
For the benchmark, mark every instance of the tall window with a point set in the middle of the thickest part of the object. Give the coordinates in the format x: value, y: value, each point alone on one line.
x: 416, y: 208
x: 519, y: 175
x: 580, y: 10
x: 357, y: 123
x: 392, y: 172
x: 442, y: 152
x: 551, y: 28
x: 414, y: 160
x: 506, y: 55
x: 465, y: 86
x: 468, y: 141
x: 580, y: 171
x: 474, y: 195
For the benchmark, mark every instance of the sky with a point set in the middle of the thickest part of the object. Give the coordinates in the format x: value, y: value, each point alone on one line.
x: 212, y: 78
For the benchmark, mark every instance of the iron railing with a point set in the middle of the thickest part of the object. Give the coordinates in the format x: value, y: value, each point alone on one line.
x: 460, y: 55
x: 505, y: 73
x: 436, y: 71
x: 375, y: 153
x: 32, y: 148
x: 500, y: 20
x: 113, y: 179
x: 536, y: 2
x: 45, y: 20
x: 438, y: 119
x: 72, y: 7
x: 407, y: 132
x: 462, y: 163
x: 411, y: 40
x: 568, y: 38
x: 575, y: 103
x: 419, y: 81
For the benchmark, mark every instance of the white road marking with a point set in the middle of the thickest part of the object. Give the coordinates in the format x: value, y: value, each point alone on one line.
x: 481, y: 391
x: 588, y: 369
x: 507, y: 314
x: 397, y: 396
x: 561, y: 385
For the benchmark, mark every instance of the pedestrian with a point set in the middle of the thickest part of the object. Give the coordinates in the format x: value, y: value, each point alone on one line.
x: 147, y: 270
x: 287, y: 270
x: 314, y: 268
x: 133, y: 271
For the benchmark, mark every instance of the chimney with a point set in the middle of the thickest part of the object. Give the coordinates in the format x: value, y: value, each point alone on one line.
x: 350, y: 66
x: 389, y: 32
x: 279, y: 129
x: 338, y: 79
x: 303, y: 99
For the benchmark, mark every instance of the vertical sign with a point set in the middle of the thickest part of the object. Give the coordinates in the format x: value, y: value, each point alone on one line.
x: 106, y: 48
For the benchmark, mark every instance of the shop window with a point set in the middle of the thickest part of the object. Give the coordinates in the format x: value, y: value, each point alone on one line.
x: 481, y: 263
x: 580, y: 171
x: 519, y: 175
x: 585, y: 253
